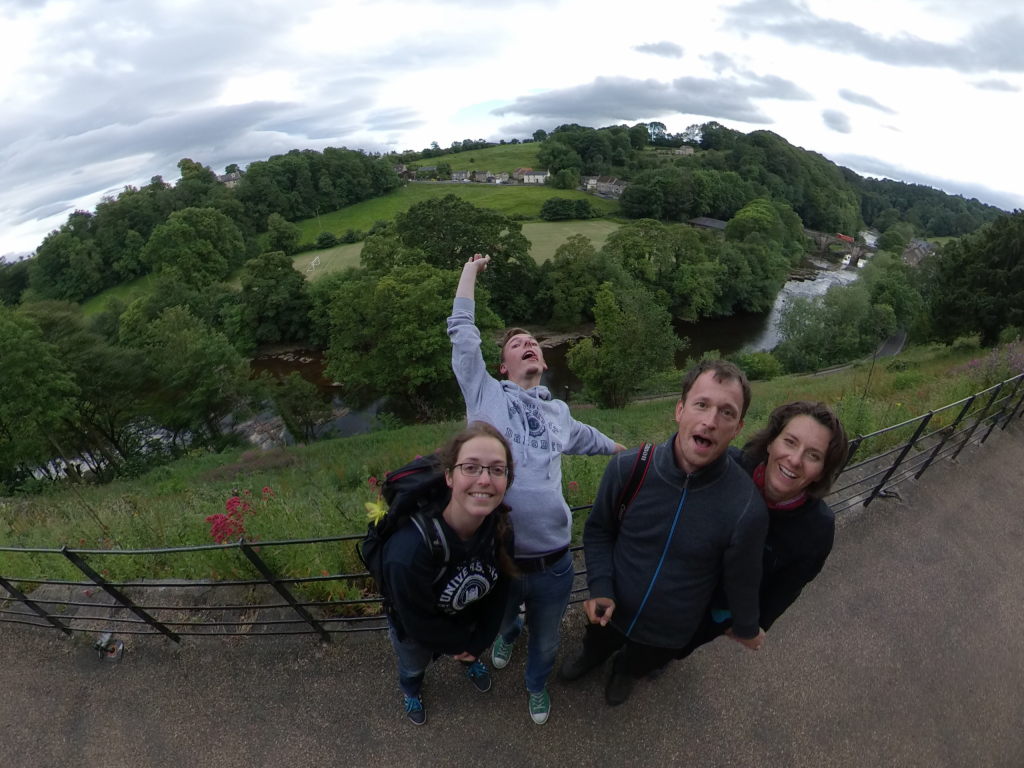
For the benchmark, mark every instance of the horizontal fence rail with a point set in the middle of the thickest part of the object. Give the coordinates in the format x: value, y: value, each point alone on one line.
x: 269, y: 604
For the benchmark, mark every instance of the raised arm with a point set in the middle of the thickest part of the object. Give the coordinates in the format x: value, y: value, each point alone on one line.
x: 470, y: 270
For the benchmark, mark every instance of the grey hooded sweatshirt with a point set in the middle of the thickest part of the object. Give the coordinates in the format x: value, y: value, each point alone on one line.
x: 539, y: 429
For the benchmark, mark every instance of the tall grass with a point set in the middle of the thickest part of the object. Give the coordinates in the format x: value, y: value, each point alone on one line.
x: 321, y: 490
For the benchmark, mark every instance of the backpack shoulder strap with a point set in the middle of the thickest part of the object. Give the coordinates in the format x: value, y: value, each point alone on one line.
x: 637, y: 475
x: 433, y: 536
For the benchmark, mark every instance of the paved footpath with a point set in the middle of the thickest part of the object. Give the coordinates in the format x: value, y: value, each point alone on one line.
x: 908, y: 650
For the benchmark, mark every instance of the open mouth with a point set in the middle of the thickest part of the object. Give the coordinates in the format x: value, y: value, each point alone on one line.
x: 531, y: 355
x: 703, y: 442
x: 786, y: 473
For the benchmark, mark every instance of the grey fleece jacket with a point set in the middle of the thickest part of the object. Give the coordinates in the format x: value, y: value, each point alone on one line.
x: 720, y: 533
x: 538, y: 428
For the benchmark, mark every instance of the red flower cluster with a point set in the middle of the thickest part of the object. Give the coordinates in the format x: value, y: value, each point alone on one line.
x: 573, y: 486
x: 226, y: 527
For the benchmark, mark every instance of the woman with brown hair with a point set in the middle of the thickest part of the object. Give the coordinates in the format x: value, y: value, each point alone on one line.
x: 793, y: 460
x: 456, y: 611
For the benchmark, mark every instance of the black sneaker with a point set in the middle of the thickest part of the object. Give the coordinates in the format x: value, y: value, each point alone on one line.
x: 577, y: 667
x: 414, y: 710
x: 479, y: 676
x: 620, y: 684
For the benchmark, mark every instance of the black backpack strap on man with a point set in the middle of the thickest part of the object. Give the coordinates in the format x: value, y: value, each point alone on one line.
x: 637, y: 475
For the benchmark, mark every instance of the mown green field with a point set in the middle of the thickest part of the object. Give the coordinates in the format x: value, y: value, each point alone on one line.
x: 544, y: 236
x: 511, y: 200
x: 503, y: 158
x: 126, y: 293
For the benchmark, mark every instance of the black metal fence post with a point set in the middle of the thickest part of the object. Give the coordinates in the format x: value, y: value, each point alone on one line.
x: 271, y: 579
x: 117, y: 594
x: 899, y: 459
x: 1016, y: 408
x: 951, y: 430
x: 998, y: 416
x: 977, y: 421
x: 18, y: 595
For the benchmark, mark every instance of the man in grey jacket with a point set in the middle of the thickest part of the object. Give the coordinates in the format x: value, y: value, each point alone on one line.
x: 539, y: 429
x: 696, y: 518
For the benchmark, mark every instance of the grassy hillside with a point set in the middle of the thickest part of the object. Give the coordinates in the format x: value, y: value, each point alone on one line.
x: 503, y: 158
x: 320, y: 490
x: 510, y: 200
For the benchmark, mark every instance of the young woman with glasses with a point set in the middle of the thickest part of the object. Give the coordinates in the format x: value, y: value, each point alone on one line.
x: 454, y: 609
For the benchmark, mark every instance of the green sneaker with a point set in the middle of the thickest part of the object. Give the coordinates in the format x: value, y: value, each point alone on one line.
x: 500, y: 653
x: 540, y: 707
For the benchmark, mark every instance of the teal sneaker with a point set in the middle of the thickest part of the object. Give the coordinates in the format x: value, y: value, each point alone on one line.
x: 414, y: 710
x: 501, y: 652
x: 540, y: 707
x: 479, y: 676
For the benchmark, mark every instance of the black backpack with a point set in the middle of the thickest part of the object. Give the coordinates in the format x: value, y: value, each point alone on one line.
x: 415, y: 493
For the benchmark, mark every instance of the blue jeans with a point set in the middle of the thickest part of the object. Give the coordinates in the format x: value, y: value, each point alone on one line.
x: 413, y: 660
x: 546, y: 595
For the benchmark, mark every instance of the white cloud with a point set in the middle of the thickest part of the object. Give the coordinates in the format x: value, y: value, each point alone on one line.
x: 97, y: 94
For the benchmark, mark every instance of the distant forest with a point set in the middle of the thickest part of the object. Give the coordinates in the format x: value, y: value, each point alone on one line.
x: 96, y: 250
x: 138, y: 382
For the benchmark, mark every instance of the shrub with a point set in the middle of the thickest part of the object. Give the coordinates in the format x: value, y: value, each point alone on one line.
x: 759, y: 366
x: 326, y: 240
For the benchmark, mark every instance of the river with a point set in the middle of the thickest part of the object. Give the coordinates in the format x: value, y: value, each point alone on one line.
x: 752, y: 332
x: 744, y: 332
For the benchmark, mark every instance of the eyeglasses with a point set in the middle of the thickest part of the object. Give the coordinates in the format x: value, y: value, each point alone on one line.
x: 475, y: 470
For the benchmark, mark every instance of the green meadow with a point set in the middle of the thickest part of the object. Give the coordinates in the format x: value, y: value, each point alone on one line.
x: 503, y: 158
x: 508, y: 199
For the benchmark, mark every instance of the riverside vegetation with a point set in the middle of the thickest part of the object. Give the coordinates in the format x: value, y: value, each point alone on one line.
x: 183, y: 282
x: 320, y: 490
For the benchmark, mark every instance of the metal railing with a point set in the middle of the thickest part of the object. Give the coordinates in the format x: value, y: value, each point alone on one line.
x: 100, y: 605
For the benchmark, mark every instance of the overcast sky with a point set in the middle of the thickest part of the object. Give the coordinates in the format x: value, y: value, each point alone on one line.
x: 97, y: 94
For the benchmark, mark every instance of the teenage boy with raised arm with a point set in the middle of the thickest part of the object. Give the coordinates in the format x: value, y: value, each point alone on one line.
x: 697, y: 518
x: 540, y: 429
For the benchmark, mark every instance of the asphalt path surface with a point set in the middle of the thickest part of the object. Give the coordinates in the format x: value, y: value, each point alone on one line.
x: 908, y: 650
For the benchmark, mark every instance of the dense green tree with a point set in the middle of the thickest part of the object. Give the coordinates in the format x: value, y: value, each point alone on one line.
x: 388, y: 340
x: 836, y: 328
x: 196, y: 246
x: 282, y: 235
x: 35, y: 395
x: 201, y: 377
x: 633, y: 340
x: 13, y: 281
x: 447, y: 231
x: 976, y: 284
x: 556, y: 155
x: 274, y: 300
x: 106, y: 424
x: 67, y: 264
x: 574, y: 275
x: 300, y: 405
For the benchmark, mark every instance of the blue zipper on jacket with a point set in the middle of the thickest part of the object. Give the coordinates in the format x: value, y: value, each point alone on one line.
x: 664, y: 554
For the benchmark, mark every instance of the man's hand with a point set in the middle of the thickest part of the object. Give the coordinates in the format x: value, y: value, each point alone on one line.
x: 619, y: 447
x: 467, y: 281
x: 465, y: 656
x: 599, y: 610
x: 753, y: 643
x: 479, y: 262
